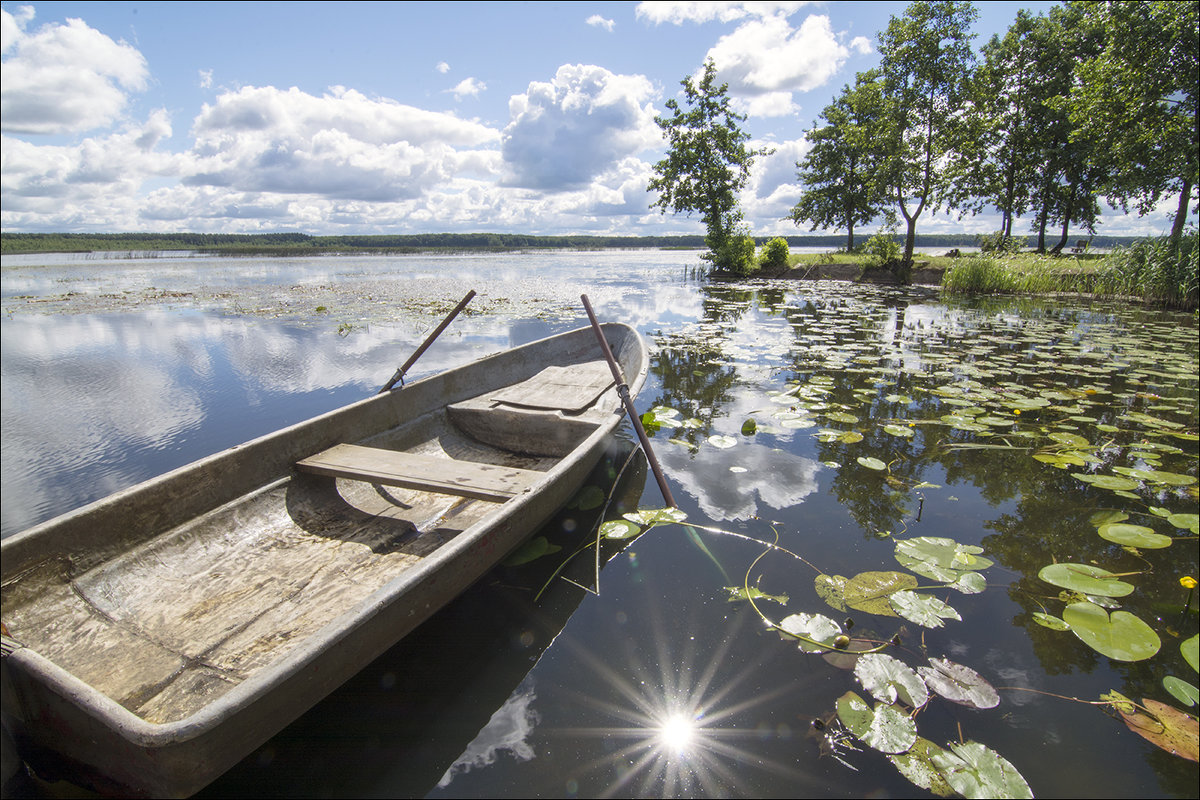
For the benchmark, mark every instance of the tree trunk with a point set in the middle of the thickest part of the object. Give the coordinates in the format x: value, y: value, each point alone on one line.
x: 1185, y: 197
x: 850, y: 239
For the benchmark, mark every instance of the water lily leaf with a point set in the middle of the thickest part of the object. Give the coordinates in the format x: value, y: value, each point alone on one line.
x: 1107, y: 481
x: 917, y: 765
x: 659, y: 516
x: 869, y: 591
x: 1190, y: 648
x: 884, y: 728
x: 660, y: 417
x: 1085, y: 578
x: 532, y: 550
x: 749, y: 427
x: 903, y: 431
x: 939, y: 558
x: 959, y: 684
x: 1164, y: 726
x: 832, y: 589
x: 798, y: 423
x: 888, y: 679
x: 842, y: 416
x: 1157, y: 476
x: 739, y: 593
x: 975, y: 770
x: 1188, y: 522
x: 620, y: 529
x: 1181, y: 690
x: 1073, y: 439
x: 922, y: 609
x: 1134, y: 536
x: 1121, y: 636
x: 722, y: 441
x: 588, y: 498
x: 684, y: 443
x: 1105, y: 517
x: 969, y: 583
x: 871, y: 463
x: 815, y: 627
x: 1050, y: 621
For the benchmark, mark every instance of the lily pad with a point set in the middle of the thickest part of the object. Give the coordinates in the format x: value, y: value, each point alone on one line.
x: 620, y: 529
x: 532, y: 550
x: 1181, y: 690
x: 883, y: 728
x: 1134, y: 536
x: 959, y: 684
x: 659, y: 516
x: 1121, y: 636
x: 1190, y: 648
x: 903, y: 431
x: 1164, y: 726
x: 832, y: 589
x: 869, y: 591
x: 1050, y: 621
x: 922, y: 609
x: 917, y: 765
x: 871, y: 463
x: 969, y: 583
x: 1188, y: 522
x: 816, y: 631
x: 1085, y: 578
x: 1108, y: 481
x: 939, y: 558
x: 722, y: 441
x: 975, y: 770
x: 888, y: 679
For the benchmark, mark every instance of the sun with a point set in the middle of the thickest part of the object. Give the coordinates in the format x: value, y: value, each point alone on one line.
x: 677, y: 733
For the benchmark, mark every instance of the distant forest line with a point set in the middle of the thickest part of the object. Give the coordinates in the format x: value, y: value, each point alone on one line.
x: 302, y: 243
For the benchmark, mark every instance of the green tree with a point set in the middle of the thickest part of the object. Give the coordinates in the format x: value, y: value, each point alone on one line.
x: 1136, y: 101
x: 997, y: 163
x: 926, y: 60
x: 707, y: 161
x: 838, y: 173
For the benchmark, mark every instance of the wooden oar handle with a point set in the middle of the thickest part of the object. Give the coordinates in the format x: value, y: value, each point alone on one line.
x: 623, y: 393
x: 399, y: 376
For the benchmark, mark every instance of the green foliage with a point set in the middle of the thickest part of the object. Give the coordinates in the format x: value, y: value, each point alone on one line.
x: 838, y: 173
x: 926, y: 57
x: 999, y: 242
x: 707, y: 163
x: 735, y: 254
x: 1136, y: 101
x: 883, y: 250
x: 1155, y: 270
x: 774, y: 254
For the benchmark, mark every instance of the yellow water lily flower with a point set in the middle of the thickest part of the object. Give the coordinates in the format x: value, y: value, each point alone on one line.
x: 1187, y: 582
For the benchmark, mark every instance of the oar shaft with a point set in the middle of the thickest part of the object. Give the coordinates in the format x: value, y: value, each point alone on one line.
x: 623, y: 393
x: 428, y: 341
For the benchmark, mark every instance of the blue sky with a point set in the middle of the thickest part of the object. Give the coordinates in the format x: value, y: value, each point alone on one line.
x: 379, y: 117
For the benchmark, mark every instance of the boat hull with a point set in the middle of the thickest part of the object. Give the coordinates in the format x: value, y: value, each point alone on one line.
x: 380, y: 575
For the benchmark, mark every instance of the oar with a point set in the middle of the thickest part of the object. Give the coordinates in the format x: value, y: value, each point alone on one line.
x: 623, y: 393
x: 399, y: 376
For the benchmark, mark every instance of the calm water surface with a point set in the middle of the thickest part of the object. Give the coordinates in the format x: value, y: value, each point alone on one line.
x: 660, y: 684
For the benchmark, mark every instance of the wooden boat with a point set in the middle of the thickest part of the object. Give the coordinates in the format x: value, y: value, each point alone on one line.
x: 158, y: 636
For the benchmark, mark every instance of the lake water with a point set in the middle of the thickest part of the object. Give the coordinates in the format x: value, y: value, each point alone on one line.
x: 1021, y: 428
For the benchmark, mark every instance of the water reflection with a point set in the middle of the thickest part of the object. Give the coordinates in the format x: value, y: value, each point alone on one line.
x: 877, y: 412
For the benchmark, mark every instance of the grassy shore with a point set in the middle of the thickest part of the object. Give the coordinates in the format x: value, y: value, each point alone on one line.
x: 1146, y: 270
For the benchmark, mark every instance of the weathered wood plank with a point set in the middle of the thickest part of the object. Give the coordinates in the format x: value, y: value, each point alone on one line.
x: 569, y: 389
x: 427, y: 473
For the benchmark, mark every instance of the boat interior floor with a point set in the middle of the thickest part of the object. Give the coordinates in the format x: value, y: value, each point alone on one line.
x: 166, y: 627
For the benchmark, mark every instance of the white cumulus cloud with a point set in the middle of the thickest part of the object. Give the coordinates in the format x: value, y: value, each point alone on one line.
x: 565, y: 132
x: 340, y: 145
x: 678, y: 12
x: 765, y: 60
x: 64, y: 78
x: 598, y: 21
x: 468, y: 87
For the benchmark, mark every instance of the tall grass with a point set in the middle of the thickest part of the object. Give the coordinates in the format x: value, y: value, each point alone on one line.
x: 1149, y: 270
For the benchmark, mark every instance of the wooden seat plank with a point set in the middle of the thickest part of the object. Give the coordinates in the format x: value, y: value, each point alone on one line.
x: 426, y: 473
